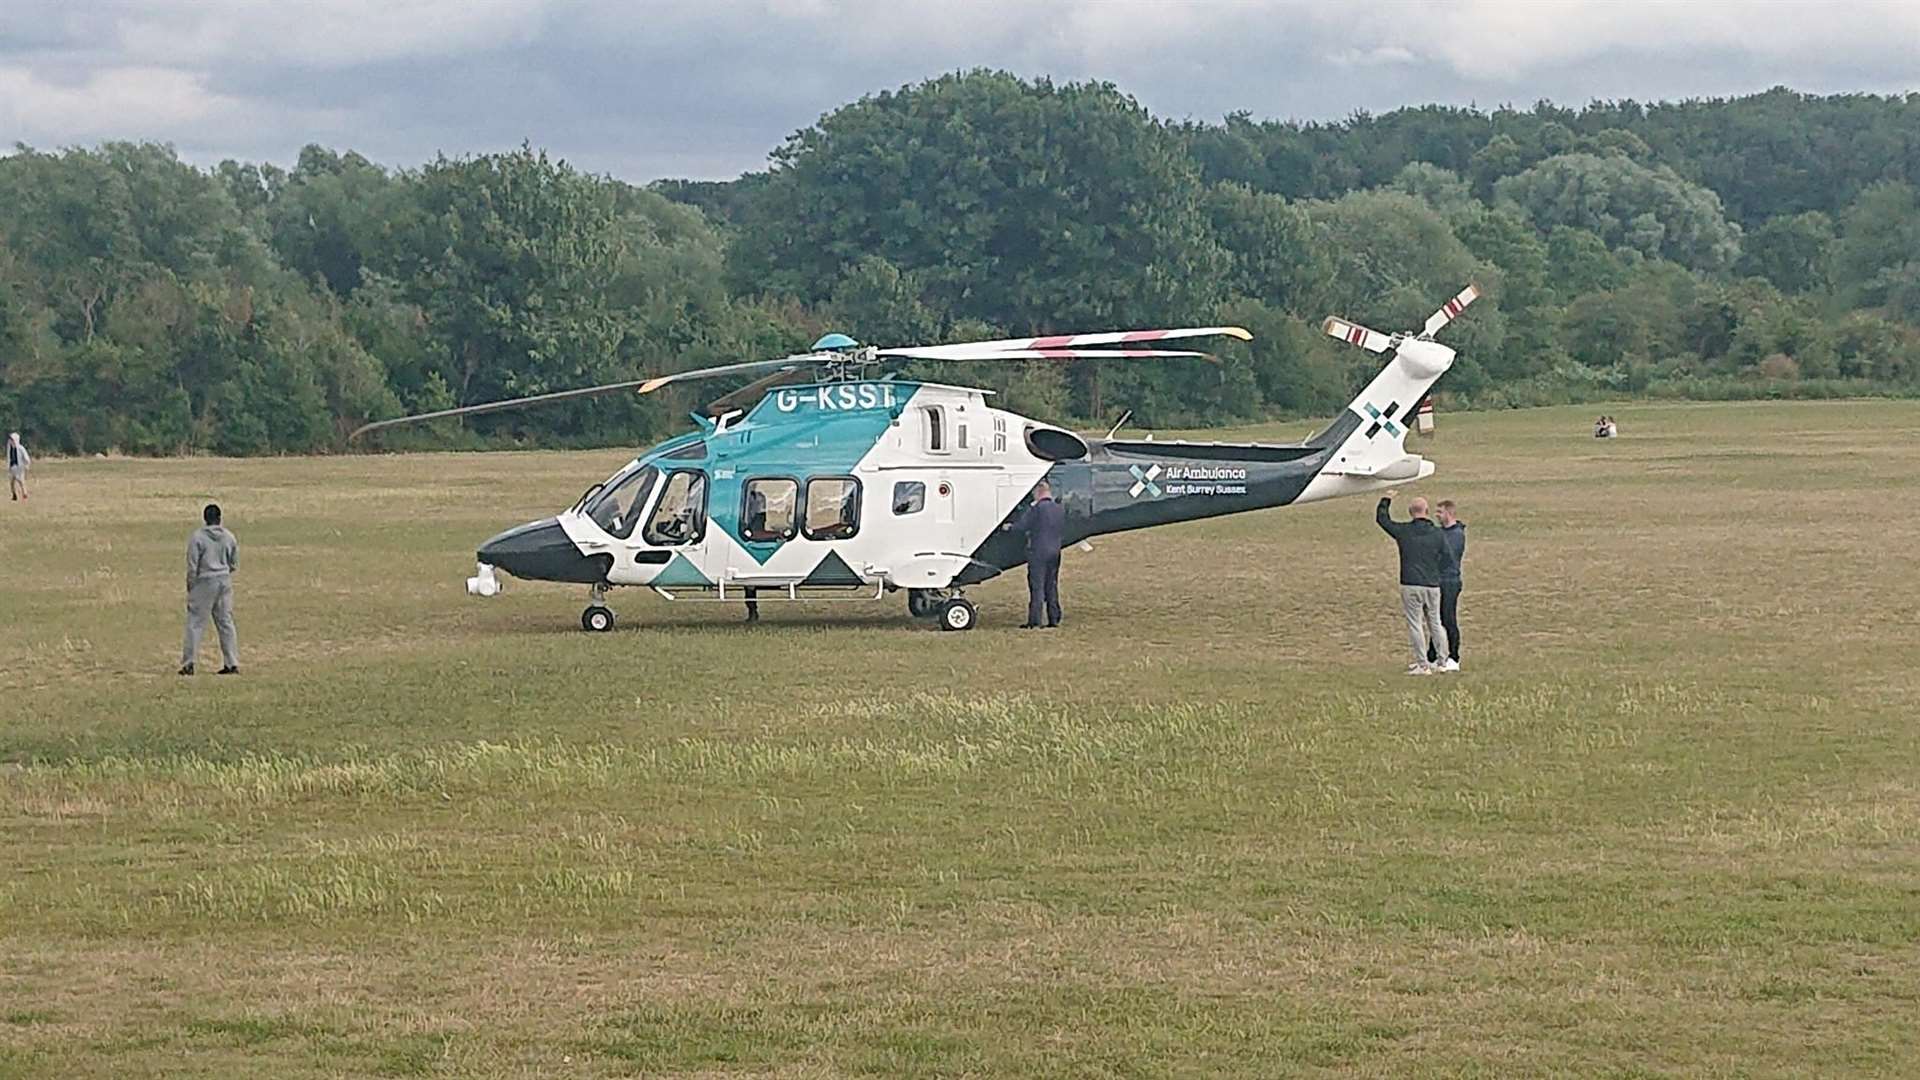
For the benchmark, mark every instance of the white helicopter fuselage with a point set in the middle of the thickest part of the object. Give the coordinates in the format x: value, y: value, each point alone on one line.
x: 881, y: 485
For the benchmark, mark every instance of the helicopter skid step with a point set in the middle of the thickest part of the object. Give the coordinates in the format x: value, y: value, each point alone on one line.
x: 788, y: 590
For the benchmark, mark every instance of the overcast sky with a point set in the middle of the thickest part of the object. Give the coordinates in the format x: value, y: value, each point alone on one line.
x: 704, y: 88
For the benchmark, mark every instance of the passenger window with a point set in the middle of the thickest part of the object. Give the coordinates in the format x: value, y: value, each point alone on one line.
x: 962, y: 441
x: 936, y: 418
x: 909, y: 497
x: 833, y: 508
x: 680, y: 517
x: 618, y: 511
x: 769, y: 511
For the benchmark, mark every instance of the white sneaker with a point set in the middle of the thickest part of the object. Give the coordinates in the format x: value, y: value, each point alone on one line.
x: 1449, y: 666
x: 1419, y: 669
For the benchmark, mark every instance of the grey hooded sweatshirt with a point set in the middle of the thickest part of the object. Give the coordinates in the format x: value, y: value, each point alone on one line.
x: 212, y: 552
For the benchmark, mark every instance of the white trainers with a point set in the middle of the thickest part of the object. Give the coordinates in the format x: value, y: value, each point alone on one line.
x: 1449, y: 665
x: 1419, y: 669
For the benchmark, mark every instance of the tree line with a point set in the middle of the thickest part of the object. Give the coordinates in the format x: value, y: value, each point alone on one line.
x: 1766, y: 245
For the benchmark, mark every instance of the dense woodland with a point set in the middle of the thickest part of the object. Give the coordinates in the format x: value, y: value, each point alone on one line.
x: 1767, y: 245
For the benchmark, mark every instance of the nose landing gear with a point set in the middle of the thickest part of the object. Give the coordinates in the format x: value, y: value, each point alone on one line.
x: 598, y: 618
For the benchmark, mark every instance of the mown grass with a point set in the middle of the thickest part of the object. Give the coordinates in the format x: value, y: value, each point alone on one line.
x: 1666, y: 823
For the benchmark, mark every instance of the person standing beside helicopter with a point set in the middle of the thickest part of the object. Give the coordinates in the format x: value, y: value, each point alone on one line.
x: 1423, y: 555
x: 1045, y: 524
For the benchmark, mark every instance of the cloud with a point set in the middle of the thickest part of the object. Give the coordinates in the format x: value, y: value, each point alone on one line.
x: 707, y: 87
x: 1379, y: 54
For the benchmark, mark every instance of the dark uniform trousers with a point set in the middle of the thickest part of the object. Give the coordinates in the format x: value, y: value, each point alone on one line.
x: 1043, y: 589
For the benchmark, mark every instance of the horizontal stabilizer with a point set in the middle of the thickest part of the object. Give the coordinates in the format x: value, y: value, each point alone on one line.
x: 1355, y: 334
x: 1406, y: 468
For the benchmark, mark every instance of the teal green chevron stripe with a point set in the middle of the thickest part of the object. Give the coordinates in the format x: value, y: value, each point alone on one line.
x: 683, y: 573
x: 833, y: 570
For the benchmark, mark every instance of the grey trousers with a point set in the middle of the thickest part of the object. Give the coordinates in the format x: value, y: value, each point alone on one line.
x: 211, y: 596
x: 1422, y: 606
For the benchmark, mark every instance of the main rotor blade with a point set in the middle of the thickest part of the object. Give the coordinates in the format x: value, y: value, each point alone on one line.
x: 496, y: 406
x: 796, y: 360
x: 1068, y: 341
x: 945, y: 352
x: 1450, y: 309
x: 750, y: 394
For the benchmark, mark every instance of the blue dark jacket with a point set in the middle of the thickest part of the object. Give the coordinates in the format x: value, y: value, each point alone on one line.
x: 1456, y: 537
x: 1422, y: 549
x: 1045, y: 524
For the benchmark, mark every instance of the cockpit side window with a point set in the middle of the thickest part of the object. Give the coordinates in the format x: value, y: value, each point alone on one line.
x: 680, y: 517
x: 618, y: 508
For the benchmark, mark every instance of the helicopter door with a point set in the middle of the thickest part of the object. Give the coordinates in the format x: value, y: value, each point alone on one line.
x: 676, y: 526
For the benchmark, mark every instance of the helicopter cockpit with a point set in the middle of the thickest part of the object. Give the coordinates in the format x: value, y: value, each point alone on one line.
x: 622, y: 499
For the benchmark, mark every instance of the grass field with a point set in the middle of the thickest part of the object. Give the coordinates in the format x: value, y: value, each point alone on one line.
x: 1667, y: 822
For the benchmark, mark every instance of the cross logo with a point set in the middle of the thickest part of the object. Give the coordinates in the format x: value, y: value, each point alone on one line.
x: 1143, y: 480
x: 1384, y: 420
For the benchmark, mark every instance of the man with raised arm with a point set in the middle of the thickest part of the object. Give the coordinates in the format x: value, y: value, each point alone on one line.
x: 1423, y: 552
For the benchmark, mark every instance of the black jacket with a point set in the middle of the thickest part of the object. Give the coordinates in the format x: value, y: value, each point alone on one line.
x: 1045, y: 524
x: 1456, y: 537
x: 1423, y: 550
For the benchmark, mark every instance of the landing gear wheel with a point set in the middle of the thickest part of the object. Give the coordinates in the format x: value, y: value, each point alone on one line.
x: 957, y: 614
x: 922, y: 603
x: 597, y: 619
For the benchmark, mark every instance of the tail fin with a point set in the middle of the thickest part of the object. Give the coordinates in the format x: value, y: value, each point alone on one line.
x: 1368, y: 440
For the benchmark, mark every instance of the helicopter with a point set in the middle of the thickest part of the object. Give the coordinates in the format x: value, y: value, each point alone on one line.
x: 828, y: 478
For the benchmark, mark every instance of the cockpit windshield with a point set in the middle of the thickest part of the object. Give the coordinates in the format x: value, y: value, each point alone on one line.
x: 618, y: 508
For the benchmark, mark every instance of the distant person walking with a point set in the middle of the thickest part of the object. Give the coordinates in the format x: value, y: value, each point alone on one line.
x: 212, y: 555
x: 1454, y: 532
x: 1422, y: 553
x: 18, y: 461
x: 1045, y: 524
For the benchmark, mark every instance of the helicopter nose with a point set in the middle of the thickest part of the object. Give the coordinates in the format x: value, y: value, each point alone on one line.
x: 542, y: 551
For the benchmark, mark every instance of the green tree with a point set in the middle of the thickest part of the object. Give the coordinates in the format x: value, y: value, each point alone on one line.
x: 1628, y: 205
x: 1032, y: 205
x: 1790, y: 251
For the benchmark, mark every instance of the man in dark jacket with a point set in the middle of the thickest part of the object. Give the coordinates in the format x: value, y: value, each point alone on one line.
x: 1423, y: 552
x: 1454, y: 532
x: 1045, y: 524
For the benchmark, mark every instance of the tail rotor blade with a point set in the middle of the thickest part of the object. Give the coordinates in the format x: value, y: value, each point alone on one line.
x: 1450, y: 309
x: 1354, y: 334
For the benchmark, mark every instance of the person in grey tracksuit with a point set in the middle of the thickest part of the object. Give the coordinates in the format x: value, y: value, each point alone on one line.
x: 212, y: 555
x: 18, y: 460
